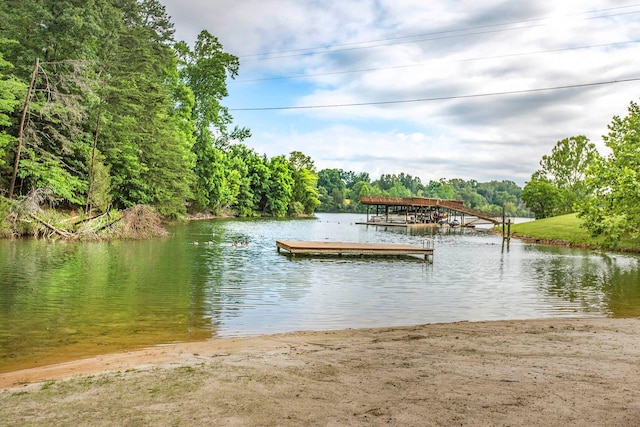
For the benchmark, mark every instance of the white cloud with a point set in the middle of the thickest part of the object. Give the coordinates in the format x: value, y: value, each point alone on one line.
x: 464, y: 48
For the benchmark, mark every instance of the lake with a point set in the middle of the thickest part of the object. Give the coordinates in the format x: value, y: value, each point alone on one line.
x: 66, y: 300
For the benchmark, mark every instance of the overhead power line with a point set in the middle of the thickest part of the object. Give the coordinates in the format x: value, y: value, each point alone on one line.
x: 444, y: 61
x: 440, y: 98
x: 423, y: 36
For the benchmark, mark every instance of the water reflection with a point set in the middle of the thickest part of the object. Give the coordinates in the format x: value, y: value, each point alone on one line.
x: 598, y: 283
x: 65, y: 300
x: 74, y: 299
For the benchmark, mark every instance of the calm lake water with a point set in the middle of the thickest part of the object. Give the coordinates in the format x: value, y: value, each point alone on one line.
x: 60, y: 301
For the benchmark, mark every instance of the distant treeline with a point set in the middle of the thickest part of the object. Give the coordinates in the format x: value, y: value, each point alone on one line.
x: 340, y: 191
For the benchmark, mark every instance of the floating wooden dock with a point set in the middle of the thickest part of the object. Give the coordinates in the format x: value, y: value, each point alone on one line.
x: 340, y: 248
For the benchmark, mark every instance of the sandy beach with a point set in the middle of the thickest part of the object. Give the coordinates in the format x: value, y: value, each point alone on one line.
x: 552, y: 372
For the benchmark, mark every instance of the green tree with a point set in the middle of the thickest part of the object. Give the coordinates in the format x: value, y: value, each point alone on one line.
x: 413, y: 184
x: 360, y: 188
x: 260, y: 177
x: 305, y: 197
x: 565, y: 168
x: 612, y: 209
x: 300, y: 161
x: 386, y: 181
x: 331, y: 189
x: 205, y: 70
x: 53, y: 145
x: 211, y: 181
x: 239, y: 160
x: 305, y: 192
x: 350, y: 178
x: 11, y: 92
x: 99, y: 192
x: 472, y: 199
x: 399, y: 190
x: 440, y: 190
x: 147, y: 137
x: 542, y: 197
x: 280, y: 187
x: 53, y: 31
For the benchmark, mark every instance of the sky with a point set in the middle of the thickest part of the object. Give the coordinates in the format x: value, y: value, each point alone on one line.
x: 435, y: 89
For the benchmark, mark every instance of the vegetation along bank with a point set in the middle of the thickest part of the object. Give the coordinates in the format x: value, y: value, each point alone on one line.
x: 101, y: 118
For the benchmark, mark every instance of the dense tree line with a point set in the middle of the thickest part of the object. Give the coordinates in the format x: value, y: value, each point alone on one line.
x: 100, y: 105
x: 340, y: 191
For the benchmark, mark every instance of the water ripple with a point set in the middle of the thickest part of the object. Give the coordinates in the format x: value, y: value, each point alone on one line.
x: 84, y: 298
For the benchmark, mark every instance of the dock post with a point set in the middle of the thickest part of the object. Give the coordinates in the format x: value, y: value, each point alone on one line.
x: 503, y: 223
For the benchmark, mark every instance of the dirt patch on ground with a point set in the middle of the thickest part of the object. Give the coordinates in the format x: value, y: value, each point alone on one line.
x: 518, y: 373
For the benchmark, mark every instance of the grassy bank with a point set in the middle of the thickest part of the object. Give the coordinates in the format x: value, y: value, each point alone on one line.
x: 566, y: 229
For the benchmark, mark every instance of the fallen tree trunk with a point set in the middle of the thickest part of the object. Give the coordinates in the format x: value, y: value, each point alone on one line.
x: 107, y: 225
x: 62, y: 233
x: 82, y: 221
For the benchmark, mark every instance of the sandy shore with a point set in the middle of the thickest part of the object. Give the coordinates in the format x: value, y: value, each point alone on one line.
x: 557, y: 372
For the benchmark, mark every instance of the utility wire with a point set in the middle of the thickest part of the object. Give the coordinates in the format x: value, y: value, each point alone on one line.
x: 364, y: 70
x: 395, y: 40
x: 442, y: 98
x: 437, y: 32
x: 419, y: 40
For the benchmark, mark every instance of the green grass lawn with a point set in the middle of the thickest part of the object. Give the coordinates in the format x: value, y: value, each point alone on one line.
x: 569, y: 229
x: 564, y: 227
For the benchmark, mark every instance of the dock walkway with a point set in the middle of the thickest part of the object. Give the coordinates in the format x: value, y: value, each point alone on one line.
x: 340, y: 248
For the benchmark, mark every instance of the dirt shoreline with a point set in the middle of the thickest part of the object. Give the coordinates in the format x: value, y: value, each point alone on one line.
x: 549, y: 372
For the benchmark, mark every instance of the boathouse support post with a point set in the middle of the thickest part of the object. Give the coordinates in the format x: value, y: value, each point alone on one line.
x: 503, y: 224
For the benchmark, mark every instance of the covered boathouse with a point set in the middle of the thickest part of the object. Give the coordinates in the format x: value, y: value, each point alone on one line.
x: 420, y: 211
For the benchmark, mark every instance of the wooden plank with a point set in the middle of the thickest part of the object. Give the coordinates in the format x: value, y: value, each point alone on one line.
x: 339, y: 248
